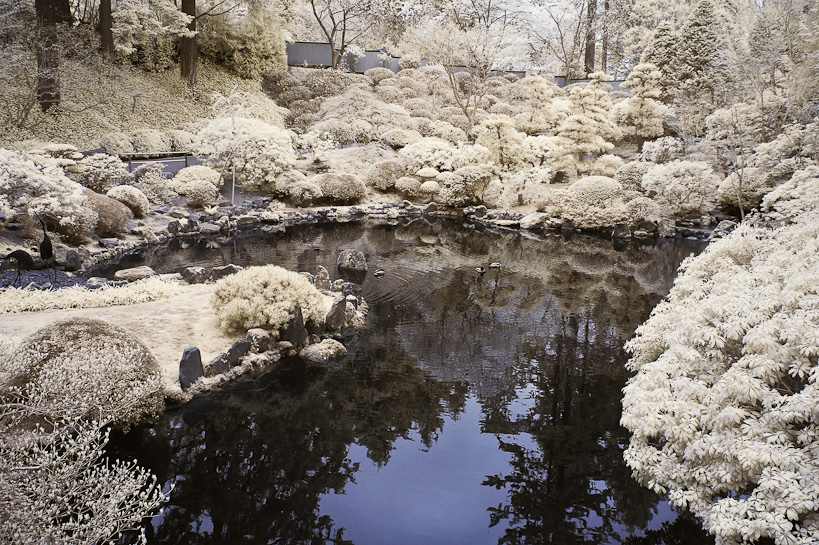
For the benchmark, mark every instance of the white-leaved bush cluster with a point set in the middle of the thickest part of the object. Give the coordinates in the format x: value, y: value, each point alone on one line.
x: 723, y: 406
x: 33, y: 184
x: 60, y: 390
x: 257, y: 150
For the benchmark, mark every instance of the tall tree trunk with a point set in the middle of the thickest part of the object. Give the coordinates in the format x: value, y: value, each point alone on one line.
x: 50, y: 13
x: 604, y: 48
x: 590, y: 38
x: 188, y: 54
x: 106, y: 32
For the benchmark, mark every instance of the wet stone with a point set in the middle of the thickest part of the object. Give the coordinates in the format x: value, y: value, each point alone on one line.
x: 190, y: 367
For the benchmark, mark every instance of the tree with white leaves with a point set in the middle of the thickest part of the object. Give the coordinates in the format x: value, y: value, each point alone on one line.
x: 642, y: 115
x: 722, y: 410
x: 589, y: 130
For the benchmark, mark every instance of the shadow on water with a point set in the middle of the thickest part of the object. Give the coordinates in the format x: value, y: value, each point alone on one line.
x: 473, y: 408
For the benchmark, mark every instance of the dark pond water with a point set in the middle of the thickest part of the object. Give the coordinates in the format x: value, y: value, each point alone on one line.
x: 474, y: 409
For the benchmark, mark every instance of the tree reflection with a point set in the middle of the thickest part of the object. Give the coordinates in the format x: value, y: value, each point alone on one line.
x: 250, y: 463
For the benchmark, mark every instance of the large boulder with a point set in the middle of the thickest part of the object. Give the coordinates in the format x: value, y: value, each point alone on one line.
x: 324, y: 352
x: 352, y: 261
x: 190, y: 367
x: 135, y: 273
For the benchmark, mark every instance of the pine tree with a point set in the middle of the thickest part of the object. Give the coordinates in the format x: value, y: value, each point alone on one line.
x: 642, y: 115
x: 589, y: 128
x: 663, y: 54
x: 700, y: 67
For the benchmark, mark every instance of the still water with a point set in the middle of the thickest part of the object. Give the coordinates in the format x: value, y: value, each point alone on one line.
x: 473, y: 408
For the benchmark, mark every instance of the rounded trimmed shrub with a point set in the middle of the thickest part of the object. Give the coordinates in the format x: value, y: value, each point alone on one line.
x: 339, y: 188
x: 382, y: 175
x: 596, y: 190
x: 111, y: 214
x: 131, y: 197
x: 265, y: 297
x: 86, y: 368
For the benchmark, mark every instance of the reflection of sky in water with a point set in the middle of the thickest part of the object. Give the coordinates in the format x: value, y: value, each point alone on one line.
x: 424, y: 496
x: 436, y: 496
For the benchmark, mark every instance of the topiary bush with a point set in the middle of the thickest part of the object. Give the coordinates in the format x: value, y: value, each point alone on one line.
x: 400, y: 138
x: 100, y: 171
x: 89, y: 369
x: 408, y: 186
x: 131, y: 197
x: 265, y: 297
x: 111, y: 214
x: 630, y: 175
x: 382, y: 175
x: 596, y: 190
x: 466, y: 186
x: 337, y: 188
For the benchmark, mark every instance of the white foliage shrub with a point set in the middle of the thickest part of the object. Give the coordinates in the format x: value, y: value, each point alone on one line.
x: 199, y: 173
x: 749, y: 184
x: 304, y: 192
x: 339, y: 188
x: 497, y: 133
x: 442, y: 155
x: 684, y: 186
x: 585, y: 207
x: 408, y: 186
x: 198, y: 193
x: 180, y: 140
x: 596, y: 190
x: 149, y: 141
x: 100, y: 171
x: 89, y: 369
x: 605, y: 165
x: 150, y: 180
x: 382, y: 175
x: 466, y: 186
x: 44, y: 189
x: 630, y: 175
x: 662, y: 150
x: 400, y: 138
x: 117, y: 143
x: 265, y: 297
x: 260, y: 152
x: 131, y: 197
x: 525, y: 186
x: 379, y: 74
x: 722, y: 410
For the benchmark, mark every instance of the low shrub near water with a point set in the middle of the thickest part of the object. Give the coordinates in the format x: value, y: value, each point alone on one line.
x: 265, y: 297
x: 89, y: 369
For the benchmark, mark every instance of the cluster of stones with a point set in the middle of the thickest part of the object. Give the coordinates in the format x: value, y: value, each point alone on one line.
x: 261, y: 348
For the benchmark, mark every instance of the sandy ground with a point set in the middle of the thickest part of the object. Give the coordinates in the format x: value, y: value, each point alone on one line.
x: 166, y: 327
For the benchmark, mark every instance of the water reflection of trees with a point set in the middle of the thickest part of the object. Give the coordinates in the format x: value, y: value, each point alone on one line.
x: 539, y: 342
x: 249, y: 464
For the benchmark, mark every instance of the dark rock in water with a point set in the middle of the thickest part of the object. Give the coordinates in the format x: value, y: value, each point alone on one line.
x: 195, y: 275
x: 294, y: 331
x: 322, y: 278
x: 73, y: 261
x: 237, y: 351
x: 641, y: 234
x: 647, y: 226
x: 313, y: 339
x: 351, y: 288
x: 223, y: 211
x: 161, y: 208
x: 110, y: 242
x: 217, y: 273
x: 723, y: 228
x: 218, y: 365
x: 323, y: 352
x: 174, y: 226
x: 431, y: 208
x: 248, y: 221
x: 352, y: 261
x: 260, y: 339
x: 568, y: 225
x: 134, y: 274
x: 334, y: 320
x: 209, y: 229
x: 190, y: 367
x: 621, y: 230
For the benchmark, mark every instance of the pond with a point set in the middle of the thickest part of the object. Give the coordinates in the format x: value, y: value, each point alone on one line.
x: 473, y: 408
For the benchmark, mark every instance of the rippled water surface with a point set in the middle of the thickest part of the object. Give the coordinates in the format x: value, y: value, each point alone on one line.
x: 472, y: 408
